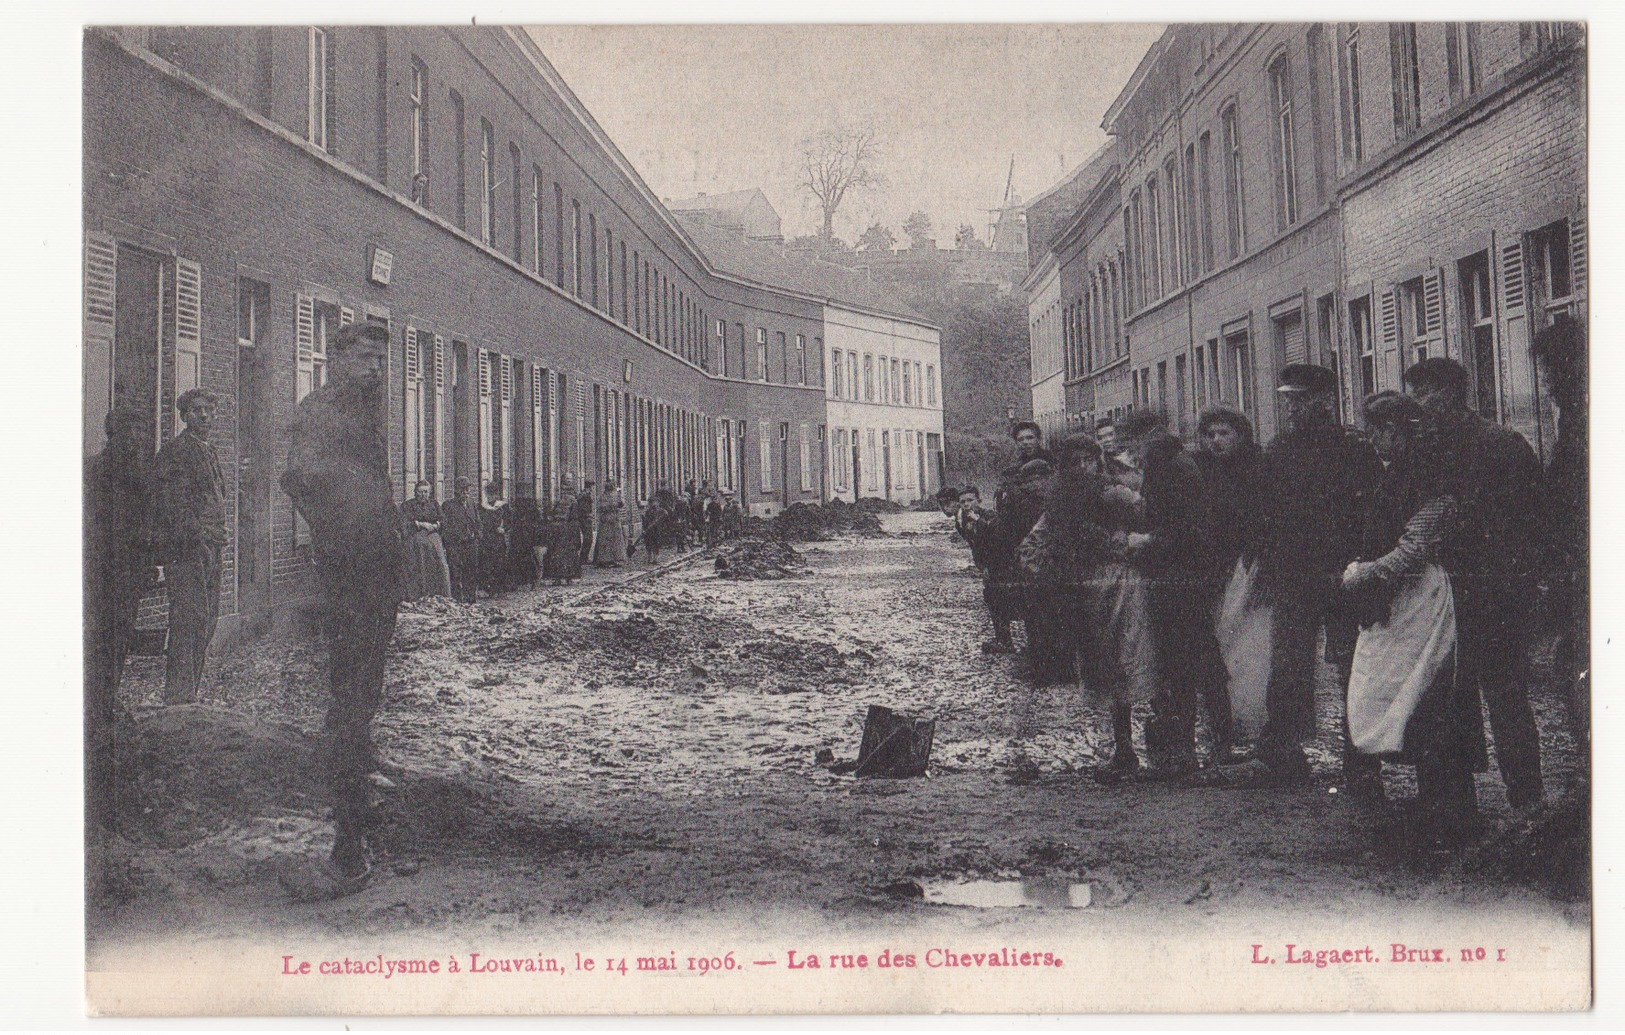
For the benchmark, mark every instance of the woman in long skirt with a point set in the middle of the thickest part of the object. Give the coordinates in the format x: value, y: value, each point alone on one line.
x: 562, y: 537
x: 524, y: 534
x: 611, y: 549
x: 1404, y: 702
x: 427, y: 574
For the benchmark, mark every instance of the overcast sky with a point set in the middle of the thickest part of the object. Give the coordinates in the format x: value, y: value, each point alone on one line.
x: 720, y: 108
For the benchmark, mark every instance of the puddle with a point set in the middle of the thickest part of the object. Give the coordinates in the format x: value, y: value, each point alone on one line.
x: 1039, y: 892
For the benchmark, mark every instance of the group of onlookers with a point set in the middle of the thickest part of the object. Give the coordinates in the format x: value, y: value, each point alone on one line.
x: 466, y: 545
x: 1205, y: 582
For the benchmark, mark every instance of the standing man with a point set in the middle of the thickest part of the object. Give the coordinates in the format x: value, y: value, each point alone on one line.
x: 1319, y: 476
x: 1492, y: 561
x: 118, y: 570
x: 586, y: 511
x: 338, y: 477
x: 1174, y: 555
x: 190, y: 526
x: 460, y: 534
x: 1018, y: 504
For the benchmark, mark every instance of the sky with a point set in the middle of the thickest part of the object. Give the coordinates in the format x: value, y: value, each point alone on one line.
x: 700, y: 108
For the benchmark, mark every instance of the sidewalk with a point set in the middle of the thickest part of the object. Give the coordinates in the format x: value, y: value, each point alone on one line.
x: 593, y: 580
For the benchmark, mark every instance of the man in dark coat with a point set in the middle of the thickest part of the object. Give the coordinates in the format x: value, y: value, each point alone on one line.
x: 1018, y: 504
x: 1319, y: 476
x: 190, y: 526
x: 460, y: 534
x: 1173, y: 553
x: 118, y: 570
x: 1492, y: 559
x: 586, y: 511
x: 338, y: 477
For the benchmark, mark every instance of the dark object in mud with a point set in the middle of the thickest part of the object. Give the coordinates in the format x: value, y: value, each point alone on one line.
x: 809, y: 522
x: 894, y: 745
x: 880, y: 505
x: 905, y: 889
x: 753, y: 558
x: 824, y: 757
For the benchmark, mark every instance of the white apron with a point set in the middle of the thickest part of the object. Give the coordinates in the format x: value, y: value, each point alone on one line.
x: 1244, y: 630
x: 1395, y: 662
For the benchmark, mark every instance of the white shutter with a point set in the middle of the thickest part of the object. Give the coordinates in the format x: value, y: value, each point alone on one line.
x: 487, y: 457
x: 504, y: 430
x: 1388, y: 334
x: 1433, y: 312
x: 304, y: 337
x: 1517, y: 370
x: 412, y: 423
x: 806, y: 459
x: 188, y: 325
x: 440, y: 416
x: 1578, y: 256
x: 541, y: 471
x: 346, y: 316
x: 101, y: 293
x: 766, y: 456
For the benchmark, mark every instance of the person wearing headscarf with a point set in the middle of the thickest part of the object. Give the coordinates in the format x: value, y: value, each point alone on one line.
x: 610, y: 550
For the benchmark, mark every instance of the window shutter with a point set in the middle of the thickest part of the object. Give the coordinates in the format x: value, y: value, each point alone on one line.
x: 188, y: 325
x: 440, y: 416
x: 1388, y: 333
x: 346, y: 316
x: 487, y: 455
x: 1577, y: 254
x: 439, y: 363
x: 1517, y: 370
x: 1433, y: 312
x: 412, y: 425
x: 539, y: 467
x: 101, y: 292
x: 304, y: 336
x: 766, y: 449
x: 331, y: 130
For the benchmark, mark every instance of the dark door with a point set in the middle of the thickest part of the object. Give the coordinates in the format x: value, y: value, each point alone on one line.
x: 137, y: 329
x: 255, y: 458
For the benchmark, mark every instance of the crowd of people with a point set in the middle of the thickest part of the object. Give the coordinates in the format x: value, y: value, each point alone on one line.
x: 1420, y: 556
x: 468, y: 546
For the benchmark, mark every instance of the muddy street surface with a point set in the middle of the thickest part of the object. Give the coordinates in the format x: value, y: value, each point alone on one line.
x: 642, y: 758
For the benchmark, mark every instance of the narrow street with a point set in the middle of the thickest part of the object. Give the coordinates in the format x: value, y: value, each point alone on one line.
x: 643, y: 758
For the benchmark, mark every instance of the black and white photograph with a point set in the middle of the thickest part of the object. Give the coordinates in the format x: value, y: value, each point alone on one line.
x: 1066, y: 517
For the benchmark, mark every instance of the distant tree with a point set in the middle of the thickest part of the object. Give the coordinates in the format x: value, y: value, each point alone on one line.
x: 918, y: 228
x: 877, y: 239
x: 830, y: 248
x: 837, y: 161
x: 965, y: 239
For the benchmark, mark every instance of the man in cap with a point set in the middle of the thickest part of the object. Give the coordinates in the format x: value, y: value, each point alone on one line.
x: 460, y: 533
x: 338, y: 477
x: 189, y: 520
x: 1492, y: 559
x: 1319, y: 475
x: 1018, y: 503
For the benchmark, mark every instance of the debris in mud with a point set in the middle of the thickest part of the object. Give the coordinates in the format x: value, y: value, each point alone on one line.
x: 1041, y: 892
x: 756, y: 558
x: 808, y: 522
x: 824, y: 756
x: 1550, y: 848
x: 894, y: 745
x: 904, y: 889
x: 877, y: 505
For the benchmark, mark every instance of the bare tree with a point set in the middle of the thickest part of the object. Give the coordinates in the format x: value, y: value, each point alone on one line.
x: 837, y: 161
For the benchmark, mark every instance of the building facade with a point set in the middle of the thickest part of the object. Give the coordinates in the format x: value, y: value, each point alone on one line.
x: 250, y: 190
x: 885, y: 406
x: 1355, y: 195
x: 1048, y: 348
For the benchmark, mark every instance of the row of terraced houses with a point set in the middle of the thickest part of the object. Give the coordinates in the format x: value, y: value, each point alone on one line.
x: 1359, y: 195
x: 247, y: 191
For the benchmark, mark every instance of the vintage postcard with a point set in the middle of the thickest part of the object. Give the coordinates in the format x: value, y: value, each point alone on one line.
x: 836, y: 518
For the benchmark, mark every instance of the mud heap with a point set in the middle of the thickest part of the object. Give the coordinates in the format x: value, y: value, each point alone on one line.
x: 808, y: 522
x: 759, y: 557
x: 878, y: 505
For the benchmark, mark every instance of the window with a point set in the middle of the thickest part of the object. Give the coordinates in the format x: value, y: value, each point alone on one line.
x: 1540, y: 37
x: 852, y: 375
x: 868, y: 378
x: 806, y: 458
x: 1353, y: 151
x: 1193, y: 249
x: 536, y: 219
x: 1461, y: 58
x: 624, y: 292
x: 784, y: 359
x: 1363, y: 344
x: 1407, y: 85
x: 1172, y: 218
x: 765, y: 443
x: 1412, y: 322
x: 609, y: 271
x: 930, y: 385
x: 1286, y: 168
x: 1478, y: 320
x: 1200, y: 384
x: 1550, y: 271
x: 801, y: 361
x: 1326, y: 331
x: 722, y: 344
x: 558, y: 235
x: 1153, y: 258
x: 460, y: 124
x: 592, y: 264
x: 837, y: 383
x: 488, y: 185
x: 575, y: 247
x: 316, y: 322
x: 761, y: 357
x: 1243, y: 366
x: 420, y: 142
x: 1204, y: 191
x: 919, y: 384
x: 518, y: 202
x: 319, y: 80
x: 1235, y: 223
x: 896, y: 384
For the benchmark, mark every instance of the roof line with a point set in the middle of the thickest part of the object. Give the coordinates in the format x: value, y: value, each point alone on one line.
x: 1153, y: 55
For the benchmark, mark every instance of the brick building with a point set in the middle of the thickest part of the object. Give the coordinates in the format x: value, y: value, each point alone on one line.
x: 1355, y: 195
x: 249, y: 190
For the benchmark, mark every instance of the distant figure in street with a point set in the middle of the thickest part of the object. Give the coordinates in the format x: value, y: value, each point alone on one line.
x: 190, y: 526
x: 610, y: 549
x: 654, y: 529
x: 524, y: 540
x: 713, y: 518
x: 428, y: 574
x: 562, y: 561
x: 586, y: 511
x: 118, y: 571
x: 338, y: 476
x: 460, y: 534
x: 1493, y: 560
x: 494, y: 541
x: 1320, y: 476
x: 677, y: 535
x: 733, y: 517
